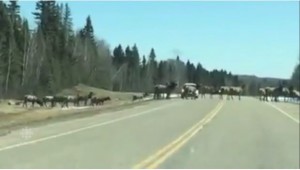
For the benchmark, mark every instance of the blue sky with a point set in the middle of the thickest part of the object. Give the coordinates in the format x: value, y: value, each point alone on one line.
x: 256, y: 38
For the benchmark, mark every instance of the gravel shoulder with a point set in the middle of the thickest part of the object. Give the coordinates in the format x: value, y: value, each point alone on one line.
x: 40, y: 116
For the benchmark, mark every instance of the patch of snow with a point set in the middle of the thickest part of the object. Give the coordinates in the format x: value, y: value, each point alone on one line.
x: 171, y: 96
x: 288, y: 100
x: 75, y: 108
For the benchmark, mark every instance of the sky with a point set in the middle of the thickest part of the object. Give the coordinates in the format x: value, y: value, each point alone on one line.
x: 253, y: 38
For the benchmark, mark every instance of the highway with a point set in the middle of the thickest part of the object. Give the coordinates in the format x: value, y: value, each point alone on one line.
x: 202, y: 133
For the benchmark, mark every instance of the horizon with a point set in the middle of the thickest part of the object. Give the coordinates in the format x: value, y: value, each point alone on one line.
x: 266, y: 31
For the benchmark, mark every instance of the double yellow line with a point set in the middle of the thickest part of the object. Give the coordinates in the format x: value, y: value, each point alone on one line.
x: 159, y: 157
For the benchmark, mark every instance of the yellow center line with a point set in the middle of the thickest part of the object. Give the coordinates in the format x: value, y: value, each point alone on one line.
x: 161, y: 155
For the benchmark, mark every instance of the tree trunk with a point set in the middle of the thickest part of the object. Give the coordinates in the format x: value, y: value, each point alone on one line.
x: 121, y: 84
x: 44, y: 52
x: 24, y: 64
x: 9, y: 66
x: 11, y: 39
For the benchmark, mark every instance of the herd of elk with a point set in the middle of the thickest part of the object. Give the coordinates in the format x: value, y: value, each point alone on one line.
x: 274, y: 92
x: 64, y: 100
x: 264, y: 93
x: 230, y: 91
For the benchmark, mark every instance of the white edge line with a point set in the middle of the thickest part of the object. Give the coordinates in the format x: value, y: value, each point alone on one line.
x: 285, y: 113
x: 106, y: 113
x: 82, y: 129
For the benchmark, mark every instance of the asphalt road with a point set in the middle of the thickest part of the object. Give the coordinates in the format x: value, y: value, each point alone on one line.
x: 203, y: 133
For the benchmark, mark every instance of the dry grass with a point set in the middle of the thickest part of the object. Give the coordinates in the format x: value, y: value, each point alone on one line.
x: 84, y: 90
x: 8, y: 109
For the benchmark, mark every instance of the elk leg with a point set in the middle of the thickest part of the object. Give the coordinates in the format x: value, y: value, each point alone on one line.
x: 24, y: 103
x: 64, y: 104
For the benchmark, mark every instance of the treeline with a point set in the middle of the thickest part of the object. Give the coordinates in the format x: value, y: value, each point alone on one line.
x: 141, y: 73
x: 253, y: 83
x: 54, y: 56
x: 295, y: 78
